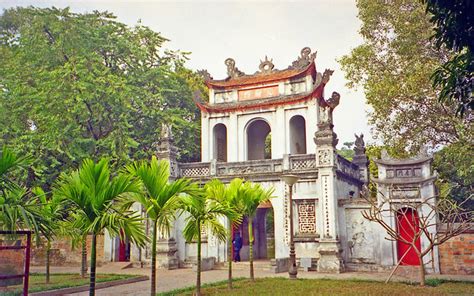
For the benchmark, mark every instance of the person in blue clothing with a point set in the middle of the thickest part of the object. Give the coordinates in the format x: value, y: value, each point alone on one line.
x: 237, y: 244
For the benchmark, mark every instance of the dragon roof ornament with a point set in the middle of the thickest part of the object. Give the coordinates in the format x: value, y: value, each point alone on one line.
x: 305, y: 59
x: 232, y: 70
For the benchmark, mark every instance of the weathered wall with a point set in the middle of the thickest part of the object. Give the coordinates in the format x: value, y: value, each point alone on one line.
x: 456, y: 256
x: 63, y: 254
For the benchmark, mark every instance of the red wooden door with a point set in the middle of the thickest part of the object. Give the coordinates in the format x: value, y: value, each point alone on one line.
x: 407, y: 227
x: 122, y: 251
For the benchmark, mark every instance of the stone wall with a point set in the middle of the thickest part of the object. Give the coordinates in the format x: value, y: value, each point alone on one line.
x: 63, y: 254
x: 456, y: 256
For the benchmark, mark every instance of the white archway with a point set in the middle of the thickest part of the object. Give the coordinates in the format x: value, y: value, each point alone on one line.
x: 258, y: 134
x: 220, y: 142
x: 297, y: 135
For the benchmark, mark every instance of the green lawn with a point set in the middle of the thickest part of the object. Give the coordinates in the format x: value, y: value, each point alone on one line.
x: 60, y: 280
x: 283, y: 286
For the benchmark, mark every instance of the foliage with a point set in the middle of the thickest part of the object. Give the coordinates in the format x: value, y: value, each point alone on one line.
x: 454, y: 23
x: 160, y: 199
x: 394, y: 65
x: 230, y: 197
x: 203, y: 214
x: 19, y: 206
x: 346, y: 150
x: 455, y: 167
x: 86, y: 85
x: 251, y: 197
x: 95, y: 196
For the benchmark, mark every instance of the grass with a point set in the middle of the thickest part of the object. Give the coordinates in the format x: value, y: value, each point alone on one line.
x: 284, y: 286
x: 58, y: 281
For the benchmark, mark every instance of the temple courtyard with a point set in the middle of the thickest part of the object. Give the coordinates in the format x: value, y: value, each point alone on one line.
x: 268, y: 282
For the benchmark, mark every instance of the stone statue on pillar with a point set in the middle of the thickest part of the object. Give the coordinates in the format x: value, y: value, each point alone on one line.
x: 360, y: 158
x: 330, y: 257
x: 325, y: 136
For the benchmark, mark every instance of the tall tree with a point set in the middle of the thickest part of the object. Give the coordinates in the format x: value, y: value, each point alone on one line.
x: 454, y: 29
x: 203, y: 214
x: 160, y: 199
x: 394, y: 65
x: 86, y: 85
x: 94, y: 195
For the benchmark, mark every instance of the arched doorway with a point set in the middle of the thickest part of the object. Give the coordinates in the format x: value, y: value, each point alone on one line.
x: 297, y: 135
x: 408, y: 227
x: 263, y: 232
x: 258, y: 140
x: 220, y: 142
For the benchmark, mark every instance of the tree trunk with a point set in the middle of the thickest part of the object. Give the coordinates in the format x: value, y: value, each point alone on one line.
x: 93, y: 262
x: 153, y: 260
x: 198, y: 279
x: 252, y: 277
x: 229, y: 255
x: 84, y: 257
x: 422, y: 271
x: 48, y: 251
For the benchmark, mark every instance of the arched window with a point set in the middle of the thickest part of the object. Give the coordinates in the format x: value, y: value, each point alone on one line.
x: 220, y: 142
x: 258, y: 140
x: 297, y: 135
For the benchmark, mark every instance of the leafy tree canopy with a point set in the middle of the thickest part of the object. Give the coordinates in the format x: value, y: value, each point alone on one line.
x: 85, y: 85
x: 394, y: 65
x: 454, y: 29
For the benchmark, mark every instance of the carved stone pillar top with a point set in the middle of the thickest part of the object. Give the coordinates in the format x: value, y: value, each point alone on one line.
x: 165, y: 149
x: 325, y: 136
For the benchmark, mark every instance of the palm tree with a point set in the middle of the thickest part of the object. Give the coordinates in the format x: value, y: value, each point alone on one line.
x: 94, y: 195
x: 203, y: 213
x: 19, y: 207
x: 160, y: 199
x: 253, y: 195
x: 229, y: 196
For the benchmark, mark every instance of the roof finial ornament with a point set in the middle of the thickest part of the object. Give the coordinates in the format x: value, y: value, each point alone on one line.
x: 232, y: 70
x: 305, y: 59
x: 266, y: 66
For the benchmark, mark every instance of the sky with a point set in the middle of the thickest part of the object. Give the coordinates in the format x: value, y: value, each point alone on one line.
x: 248, y: 31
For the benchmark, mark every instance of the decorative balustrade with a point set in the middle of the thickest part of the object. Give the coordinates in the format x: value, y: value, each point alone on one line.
x: 263, y: 166
x: 304, y: 162
x: 195, y: 169
x: 292, y: 163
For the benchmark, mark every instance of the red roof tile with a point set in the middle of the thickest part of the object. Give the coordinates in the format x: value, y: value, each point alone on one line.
x: 260, y: 78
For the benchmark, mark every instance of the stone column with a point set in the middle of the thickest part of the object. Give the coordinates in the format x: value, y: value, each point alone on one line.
x: 330, y: 259
x: 166, y: 249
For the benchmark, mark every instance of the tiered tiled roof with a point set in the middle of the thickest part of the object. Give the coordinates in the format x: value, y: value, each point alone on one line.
x: 300, y: 68
x: 260, y: 78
